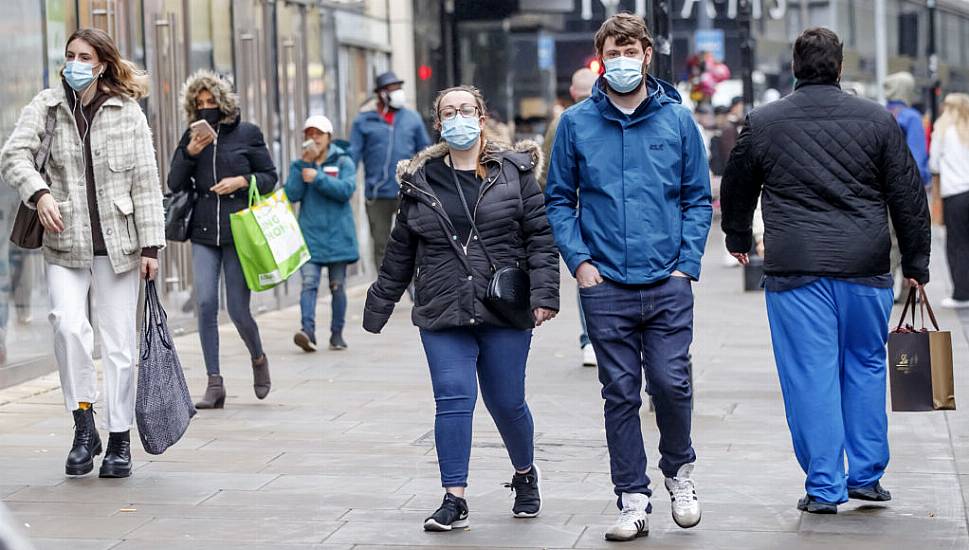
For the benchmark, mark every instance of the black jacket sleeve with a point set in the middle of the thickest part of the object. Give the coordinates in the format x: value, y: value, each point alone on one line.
x: 395, y: 275
x: 181, y: 175
x: 909, y: 209
x: 543, y: 257
x: 261, y: 162
x: 739, y: 191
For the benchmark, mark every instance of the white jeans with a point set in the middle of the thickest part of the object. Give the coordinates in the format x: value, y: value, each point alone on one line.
x: 115, y: 310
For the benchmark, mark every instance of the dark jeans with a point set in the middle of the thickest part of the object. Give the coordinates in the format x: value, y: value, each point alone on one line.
x: 459, y: 360
x: 635, y: 330
x: 208, y: 262
x: 955, y: 211
x: 337, y: 275
x: 380, y: 214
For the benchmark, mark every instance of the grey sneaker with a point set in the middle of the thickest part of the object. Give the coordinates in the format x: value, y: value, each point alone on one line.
x: 813, y: 506
x: 873, y: 493
x: 633, y: 522
x: 452, y: 514
x: 307, y: 342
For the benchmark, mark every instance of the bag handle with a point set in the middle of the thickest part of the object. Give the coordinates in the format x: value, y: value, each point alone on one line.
x: 914, y: 294
x: 254, y: 195
x: 467, y: 212
x: 43, y: 152
x: 155, y: 318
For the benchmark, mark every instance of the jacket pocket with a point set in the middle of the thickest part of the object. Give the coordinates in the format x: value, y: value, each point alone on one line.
x: 127, y: 230
x: 121, y: 157
x: 63, y: 241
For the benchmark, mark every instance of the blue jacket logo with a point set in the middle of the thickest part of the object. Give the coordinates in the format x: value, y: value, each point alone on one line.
x: 655, y: 146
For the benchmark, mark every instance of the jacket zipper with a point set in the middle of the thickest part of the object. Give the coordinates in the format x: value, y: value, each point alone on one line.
x: 474, y: 213
x: 215, y: 180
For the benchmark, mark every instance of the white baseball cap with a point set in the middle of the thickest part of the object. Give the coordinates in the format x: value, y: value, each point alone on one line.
x: 319, y: 122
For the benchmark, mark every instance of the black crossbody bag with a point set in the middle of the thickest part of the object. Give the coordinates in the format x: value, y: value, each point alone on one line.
x: 509, y: 290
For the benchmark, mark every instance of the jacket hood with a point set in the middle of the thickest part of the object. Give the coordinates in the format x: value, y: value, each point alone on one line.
x: 220, y: 88
x: 660, y: 93
x: 900, y: 87
x: 523, y: 152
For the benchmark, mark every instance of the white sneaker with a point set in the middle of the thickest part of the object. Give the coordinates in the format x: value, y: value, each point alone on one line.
x: 949, y: 303
x: 683, y: 499
x: 589, y: 356
x: 633, y: 521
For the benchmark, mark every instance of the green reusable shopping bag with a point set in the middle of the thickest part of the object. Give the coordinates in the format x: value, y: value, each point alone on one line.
x: 267, y: 239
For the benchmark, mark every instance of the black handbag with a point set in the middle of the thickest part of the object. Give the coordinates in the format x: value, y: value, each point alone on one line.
x: 509, y: 290
x: 178, y: 215
x: 27, y: 231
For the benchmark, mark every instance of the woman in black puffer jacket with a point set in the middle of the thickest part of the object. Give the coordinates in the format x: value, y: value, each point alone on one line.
x: 218, y: 170
x: 434, y: 244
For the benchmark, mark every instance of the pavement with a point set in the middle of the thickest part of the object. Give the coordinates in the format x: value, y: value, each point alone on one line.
x: 341, y: 455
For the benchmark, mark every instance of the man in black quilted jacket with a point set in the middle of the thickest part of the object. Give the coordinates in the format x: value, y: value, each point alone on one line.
x: 830, y: 168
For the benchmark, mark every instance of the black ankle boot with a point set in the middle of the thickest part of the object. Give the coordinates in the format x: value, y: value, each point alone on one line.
x: 117, y: 459
x: 86, y: 446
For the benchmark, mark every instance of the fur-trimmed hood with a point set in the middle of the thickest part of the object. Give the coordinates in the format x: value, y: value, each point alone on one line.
x: 220, y: 88
x: 526, y: 154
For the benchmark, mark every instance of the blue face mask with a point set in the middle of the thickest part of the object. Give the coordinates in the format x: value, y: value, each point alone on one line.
x: 79, y: 75
x: 460, y: 132
x: 623, y: 73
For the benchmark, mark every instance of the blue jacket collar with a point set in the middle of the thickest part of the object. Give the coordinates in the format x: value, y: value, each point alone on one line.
x: 660, y: 93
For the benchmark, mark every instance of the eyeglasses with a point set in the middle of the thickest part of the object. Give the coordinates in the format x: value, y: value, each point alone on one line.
x: 467, y: 110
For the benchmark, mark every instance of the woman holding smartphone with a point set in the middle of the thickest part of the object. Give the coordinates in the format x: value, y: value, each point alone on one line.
x: 449, y: 192
x: 101, y: 208
x: 323, y: 181
x: 215, y: 159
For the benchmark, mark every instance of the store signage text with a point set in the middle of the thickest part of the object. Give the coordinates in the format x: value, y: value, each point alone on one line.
x: 714, y: 8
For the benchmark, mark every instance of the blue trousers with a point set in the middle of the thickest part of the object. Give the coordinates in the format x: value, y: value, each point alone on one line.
x: 829, y: 345
x: 208, y: 263
x: 337, y: 275
x: 459, y: 360
x: 637, y: 330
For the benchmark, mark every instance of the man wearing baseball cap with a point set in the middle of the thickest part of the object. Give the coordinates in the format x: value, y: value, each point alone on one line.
x: 384, y: 133
x: 323, y: 181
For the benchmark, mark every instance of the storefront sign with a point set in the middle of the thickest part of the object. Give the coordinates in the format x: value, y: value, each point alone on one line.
x: 729, y: 8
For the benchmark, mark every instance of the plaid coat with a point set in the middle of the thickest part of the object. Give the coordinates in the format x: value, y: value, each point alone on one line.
x: 128, y: 191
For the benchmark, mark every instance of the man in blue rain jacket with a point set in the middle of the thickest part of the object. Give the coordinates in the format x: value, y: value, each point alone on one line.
x: 383, y: 134
x: 628, y: 198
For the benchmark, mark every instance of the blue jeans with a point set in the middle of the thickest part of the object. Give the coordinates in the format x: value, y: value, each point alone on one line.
x: 459, y: 360
x: 829, y: 345
x: 208, y: 262
x: 637, y: 330
x: 337, y: 274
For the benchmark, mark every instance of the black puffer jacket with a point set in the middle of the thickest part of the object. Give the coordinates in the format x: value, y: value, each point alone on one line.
x: 832, y: 166
x: 239, y: 151
x: 450, y: 284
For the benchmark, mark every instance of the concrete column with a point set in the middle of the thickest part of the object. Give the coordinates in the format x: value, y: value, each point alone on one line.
x: 400, y: 16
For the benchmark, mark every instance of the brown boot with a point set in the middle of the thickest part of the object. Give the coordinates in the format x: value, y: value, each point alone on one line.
x: 260, y: 377
x: 214, y: 397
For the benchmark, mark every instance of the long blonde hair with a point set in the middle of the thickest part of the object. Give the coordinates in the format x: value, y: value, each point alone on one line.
x: 120, y: 77
x: 956, y: 114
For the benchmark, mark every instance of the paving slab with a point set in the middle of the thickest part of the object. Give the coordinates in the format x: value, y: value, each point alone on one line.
x: 341, y: 455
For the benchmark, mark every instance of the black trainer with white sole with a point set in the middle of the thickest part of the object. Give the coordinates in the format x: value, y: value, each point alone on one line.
x: 452, y: 514
x: 528, y: 493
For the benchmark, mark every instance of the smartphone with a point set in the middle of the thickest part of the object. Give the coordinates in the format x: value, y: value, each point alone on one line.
x: 308, y: 143
x: 202, y: 126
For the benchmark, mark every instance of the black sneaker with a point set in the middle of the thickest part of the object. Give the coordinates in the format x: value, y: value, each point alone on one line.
x: 813, y: 506
x: 305, y: 341
x: 336, y: 342
x: 873, y: 493
x: 453, y: 514
x: 528, y: 493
